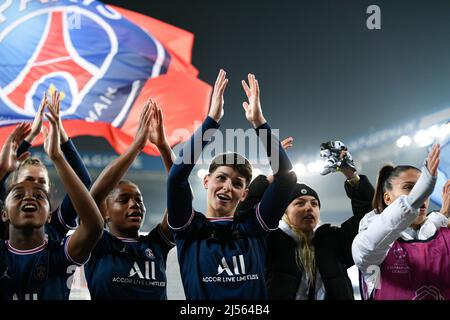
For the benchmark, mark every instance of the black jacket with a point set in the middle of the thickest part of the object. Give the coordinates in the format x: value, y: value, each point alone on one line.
x: 332, y: 247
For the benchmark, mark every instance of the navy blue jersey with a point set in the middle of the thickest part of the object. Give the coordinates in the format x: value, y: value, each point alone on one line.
x: 123, y: 268
x: 42, y: 273
x: 223, y: 258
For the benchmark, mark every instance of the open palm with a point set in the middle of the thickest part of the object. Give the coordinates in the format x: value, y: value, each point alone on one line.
x: 252, y: 107
x: 8, y: 154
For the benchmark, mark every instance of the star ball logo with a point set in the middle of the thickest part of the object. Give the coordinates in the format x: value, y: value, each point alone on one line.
x: 149, y: 253
x: 80, y: 47
x: 40, y: 272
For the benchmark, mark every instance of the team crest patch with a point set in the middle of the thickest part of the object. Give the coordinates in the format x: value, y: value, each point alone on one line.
x: 400, y: 265
x: 39, y: 273
x: 149, y: 253
x: 400, y: 253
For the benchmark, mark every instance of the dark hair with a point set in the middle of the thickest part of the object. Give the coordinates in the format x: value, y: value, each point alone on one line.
x: 3, y: 205
x: 235, y: 161
x: 384, y: 182
x: 31, y: 161
x: 124, y: 181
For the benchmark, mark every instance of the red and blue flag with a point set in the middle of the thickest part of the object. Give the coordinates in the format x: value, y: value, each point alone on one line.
x: 106, y: 60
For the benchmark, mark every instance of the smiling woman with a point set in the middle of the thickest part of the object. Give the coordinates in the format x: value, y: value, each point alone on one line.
x: 34, y: 266
x: 27, y: 205
x: 402, y: 253
x: 125, y: 209
x: 221, y: 253
x: 228, y: 175
x: 125, y: 265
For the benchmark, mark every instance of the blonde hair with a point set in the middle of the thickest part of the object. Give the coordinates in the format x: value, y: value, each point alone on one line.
x: 31, y: 161
x: 304, y: 253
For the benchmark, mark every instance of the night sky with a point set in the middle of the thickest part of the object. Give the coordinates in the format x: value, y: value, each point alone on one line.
x: 323, y: 73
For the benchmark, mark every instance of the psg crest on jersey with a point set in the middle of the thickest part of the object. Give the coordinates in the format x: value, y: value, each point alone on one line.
x: 149, y: 253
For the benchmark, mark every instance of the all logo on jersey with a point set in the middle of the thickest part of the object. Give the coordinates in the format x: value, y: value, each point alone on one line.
x: 141, y: 274
x: 231, y: 272
x: 26, y: 296
x: 149, y: 271
x: 237, y: 268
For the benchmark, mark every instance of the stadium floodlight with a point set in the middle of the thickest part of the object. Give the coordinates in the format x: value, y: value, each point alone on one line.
x: 299, y: 169
x: 202, y: 173
x: 434, y: 131
x: 256, y: 172
x: 444, y: 131
x: 424, y: 138
x: 316, y: 166
x: 403, y: 141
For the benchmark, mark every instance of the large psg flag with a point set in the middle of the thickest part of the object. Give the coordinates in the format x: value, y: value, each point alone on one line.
x: 105, y: 59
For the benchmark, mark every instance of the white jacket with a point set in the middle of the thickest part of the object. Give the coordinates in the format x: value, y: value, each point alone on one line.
x: 377, y: 232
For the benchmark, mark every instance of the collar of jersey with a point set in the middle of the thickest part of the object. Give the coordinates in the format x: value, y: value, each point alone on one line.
x: 132, y: 240
x: 215, y: 219
x: 27, y: 251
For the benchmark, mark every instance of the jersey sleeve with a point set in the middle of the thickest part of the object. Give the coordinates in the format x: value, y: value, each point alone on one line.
x: 276, y: 197
x: 179, y: 195
x: 157, y: 236
x: 65, y: 217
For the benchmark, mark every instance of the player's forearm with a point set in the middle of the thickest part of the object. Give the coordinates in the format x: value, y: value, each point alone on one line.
x: 279, y: 161
x: 167, y: 155
x: 276, y: 198
x: 82, y: 201
x: 112, y: 174
x: 192, y: 150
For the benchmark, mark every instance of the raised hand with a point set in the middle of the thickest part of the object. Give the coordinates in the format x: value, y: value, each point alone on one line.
x: 157, y: 133
x: 347, y: 166
x: 216, y: 109
x: 8, y: 155
x: 143, y: 131
x: 253, y: 111
x: 287, y: 143
x: 433, y: 159
x: 52, y: 136
x: 38, y: 118
x: 445, y: 208
x: 55, y: 105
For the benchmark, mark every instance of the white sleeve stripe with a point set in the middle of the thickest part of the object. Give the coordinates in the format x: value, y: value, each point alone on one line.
x: 61, y: 219
x: 261, y: 221
x: 66, y: 252
x: 184, y: 226
x: 163, y: 236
